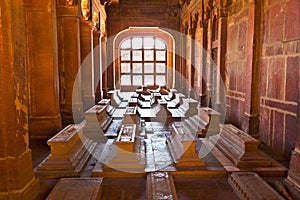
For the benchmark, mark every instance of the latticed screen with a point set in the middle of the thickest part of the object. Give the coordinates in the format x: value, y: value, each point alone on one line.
x: 143, y: 61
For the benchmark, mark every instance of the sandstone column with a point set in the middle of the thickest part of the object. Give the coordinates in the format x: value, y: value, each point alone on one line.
x: 97, y: 70
x: 87, y: 65
x: 17, y: 180
x: 69, y: 61
x: 250, y: 121
x: 220, y: 104
x: 42, y: 68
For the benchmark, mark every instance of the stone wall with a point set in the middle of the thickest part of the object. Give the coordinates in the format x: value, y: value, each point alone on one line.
x: 236, y: 60
x: 158, y: 13
x: 280, y: 74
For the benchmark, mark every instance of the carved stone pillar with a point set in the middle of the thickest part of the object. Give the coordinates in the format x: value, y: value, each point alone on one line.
x: 97, y: 71
x: 17, y: 180
x: 69, y: 61
x: 220, y: 104
x: 250, y: 118
x: 42, y: 68
x: 105, y: 65
x: 204, y: 98
x: 293, y: 179
x: 87, y: 65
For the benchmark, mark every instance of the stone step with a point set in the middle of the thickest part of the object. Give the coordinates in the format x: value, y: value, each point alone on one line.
x: 77, y: 188
x: 160, y: 185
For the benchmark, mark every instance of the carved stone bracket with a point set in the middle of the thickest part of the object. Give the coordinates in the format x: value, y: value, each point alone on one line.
x: 85, y: 11
x: 71, y: 2
x: 105, y: 2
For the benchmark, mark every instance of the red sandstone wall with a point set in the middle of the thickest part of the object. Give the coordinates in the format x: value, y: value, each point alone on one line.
x: 236, y: 61
x: 139, y: 14
x: 280, y: 74
x: 279, y: 70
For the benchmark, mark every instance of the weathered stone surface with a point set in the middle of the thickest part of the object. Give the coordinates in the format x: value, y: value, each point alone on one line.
x: 42, y: 58
x: 130, y: 116
x: 17, y: 180
x: 276, y: 23
x: 249, y: 185
x: 98, y: 118
x: 77, y: 188
x: 292, y: 78
x: 182, y: 146
x: 70, y: 150
x: 160, y: 185
x: 188, y: 107
x: 276, y: 80
x: 68, y: 38
x: 292, y: 30
x: 241, y: 148
x: 126, y: 138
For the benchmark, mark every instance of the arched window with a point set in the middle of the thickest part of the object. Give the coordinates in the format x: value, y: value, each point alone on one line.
x: 143, y: 61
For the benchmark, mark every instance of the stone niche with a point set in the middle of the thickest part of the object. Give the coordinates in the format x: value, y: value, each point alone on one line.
x: 241, y: 148
x: 69, y: 151
x: 182, y: 146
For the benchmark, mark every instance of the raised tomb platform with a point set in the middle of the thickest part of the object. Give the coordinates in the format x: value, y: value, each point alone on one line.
x: 238, y: 151
x: 123, y: 155
x: 69, y: 151
x: 188, y: 107
x: 130, y: 115
x: 182, y: 146
x: 109, y: 108
x: 98, y: 118
x: 76, y: 188
x: 250, y: 186
x: 241, y: 148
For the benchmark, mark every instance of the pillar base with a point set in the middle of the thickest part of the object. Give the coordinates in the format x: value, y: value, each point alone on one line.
x: 293, y: 179
x: 203, y: 100
x: 18, y: 180
x: 221, y: 108
x: 250, y: 124
x: 29, y: 191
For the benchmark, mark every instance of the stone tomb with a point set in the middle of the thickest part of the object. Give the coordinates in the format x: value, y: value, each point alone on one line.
x: 129, y: 157
x: 97, y: 119
x: 76, y: 188
x: 130, y: 116
x: 241, y: 148
x: 69, y: 151
x: 109, y: 108
x: 250, y: 186
x: 182, y: 146
x: 188, y: 107
x: 208, y: 114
